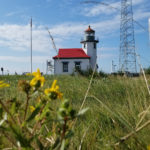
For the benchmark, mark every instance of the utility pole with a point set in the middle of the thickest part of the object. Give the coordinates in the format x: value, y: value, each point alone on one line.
x: 127, y: 56
x: 149, y: 30
x: 31, y: 43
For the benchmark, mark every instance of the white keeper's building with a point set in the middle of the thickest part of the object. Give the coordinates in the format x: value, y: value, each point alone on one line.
x: 70, y: 59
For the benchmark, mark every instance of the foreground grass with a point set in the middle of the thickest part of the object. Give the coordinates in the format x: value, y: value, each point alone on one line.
x: 115, y: 106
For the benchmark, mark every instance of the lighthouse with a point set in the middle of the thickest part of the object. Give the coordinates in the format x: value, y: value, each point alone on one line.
x: 71, y: 60
x: 89, y: 45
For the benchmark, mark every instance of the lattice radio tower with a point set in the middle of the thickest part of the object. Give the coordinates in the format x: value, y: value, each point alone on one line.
x: 127, y: 58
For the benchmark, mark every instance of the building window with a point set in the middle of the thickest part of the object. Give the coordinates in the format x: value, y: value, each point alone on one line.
x: 65, y: 66
x: 84, y: 45
x: 77, y: 65
x: 95, y: 45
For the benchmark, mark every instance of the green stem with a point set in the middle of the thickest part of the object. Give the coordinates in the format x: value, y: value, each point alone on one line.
x: 64, y: 129
x: 27, y: 104
x: 36, y: 125
x: 5, y: 108
x: 9, y: 139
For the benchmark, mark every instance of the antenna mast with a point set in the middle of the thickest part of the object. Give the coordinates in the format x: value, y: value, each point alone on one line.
x: 31, y: 43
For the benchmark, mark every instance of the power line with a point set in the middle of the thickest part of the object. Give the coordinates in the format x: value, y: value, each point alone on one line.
x: 127, y: 58
x: 108, y: 5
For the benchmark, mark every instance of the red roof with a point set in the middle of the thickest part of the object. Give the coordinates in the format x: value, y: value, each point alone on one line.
x: 89, y: 30
x: 71, y: 53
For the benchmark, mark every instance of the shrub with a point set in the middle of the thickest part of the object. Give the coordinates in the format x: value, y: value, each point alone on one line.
x: 147, y: 70
x: 89, y: 72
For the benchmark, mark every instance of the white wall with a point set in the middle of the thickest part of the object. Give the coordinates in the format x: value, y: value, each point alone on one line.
x: 58, y: 65
x: 92, y: 52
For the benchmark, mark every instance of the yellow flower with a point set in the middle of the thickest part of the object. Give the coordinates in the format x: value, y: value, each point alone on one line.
x: 148, y: 147
x: 2, y: 84
x: 28, y: 74
x: 32, y: 108
x: 54, y: 92
x: 37, y: 74
x: 38, y: 80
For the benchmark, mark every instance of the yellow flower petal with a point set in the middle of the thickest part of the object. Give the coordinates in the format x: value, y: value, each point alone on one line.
x: 46, y: 91
x: 54, y: 90
x: 28, y: 74
x: 37, y: 74
x: 2, y: 84
x: 60, y: 95
x: 33, y: 82
x: 54, y: 84
x: 57, y: 87
x: 32, y: 108
x: 38, y: 79
x: 42, y: 79
x: 38, y: 71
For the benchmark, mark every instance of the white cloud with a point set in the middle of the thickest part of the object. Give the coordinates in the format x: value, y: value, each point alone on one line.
x: 24, y: 59
x: 107, y: 8
x: 21, y: 64
x: 108, y: 49
x: 17, y: 37
x: 105, y: 56
x: 141, y: 14
x: 11, y: 14
x: 101, y: 9
x: 103, y: 28
x: 136, y: 2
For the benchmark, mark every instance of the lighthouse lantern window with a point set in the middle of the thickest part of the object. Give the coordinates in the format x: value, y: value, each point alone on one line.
x: 89, y: 34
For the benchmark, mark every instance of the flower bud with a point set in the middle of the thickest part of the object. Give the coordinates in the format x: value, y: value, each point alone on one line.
x: 24, y: 86
x: 72, y: 113
x: 65, y: 103
x: 53, y: 95
x: 62, y: 112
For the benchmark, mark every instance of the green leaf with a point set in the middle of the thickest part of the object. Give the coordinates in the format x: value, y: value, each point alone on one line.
x: 69, y: 134
x: 82, y: 112
x: 13, y: 108
x: 4, y: 128
x: 4, y: 119
x: 34, y: 113
x: 39, y: 144
x: 19, y: 136
x: 56, y: 144
x: 45, y: 110
x: 63, y: 145
x: 1, y: 112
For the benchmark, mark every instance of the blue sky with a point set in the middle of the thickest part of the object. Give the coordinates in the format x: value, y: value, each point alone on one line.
x: 66, y: 20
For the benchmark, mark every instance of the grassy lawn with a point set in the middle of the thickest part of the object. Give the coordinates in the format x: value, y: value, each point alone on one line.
x: 115, y: 104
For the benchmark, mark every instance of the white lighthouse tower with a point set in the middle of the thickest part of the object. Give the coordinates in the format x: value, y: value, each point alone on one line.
x: 89, y: 45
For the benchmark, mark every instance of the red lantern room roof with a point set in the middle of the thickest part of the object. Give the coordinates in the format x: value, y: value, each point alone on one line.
x: 89, y: 30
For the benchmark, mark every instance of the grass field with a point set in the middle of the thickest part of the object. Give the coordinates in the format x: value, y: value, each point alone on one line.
x: 116, y: 105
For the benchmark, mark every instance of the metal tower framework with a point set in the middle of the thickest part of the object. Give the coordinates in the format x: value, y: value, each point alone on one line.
x: 127, y: 56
